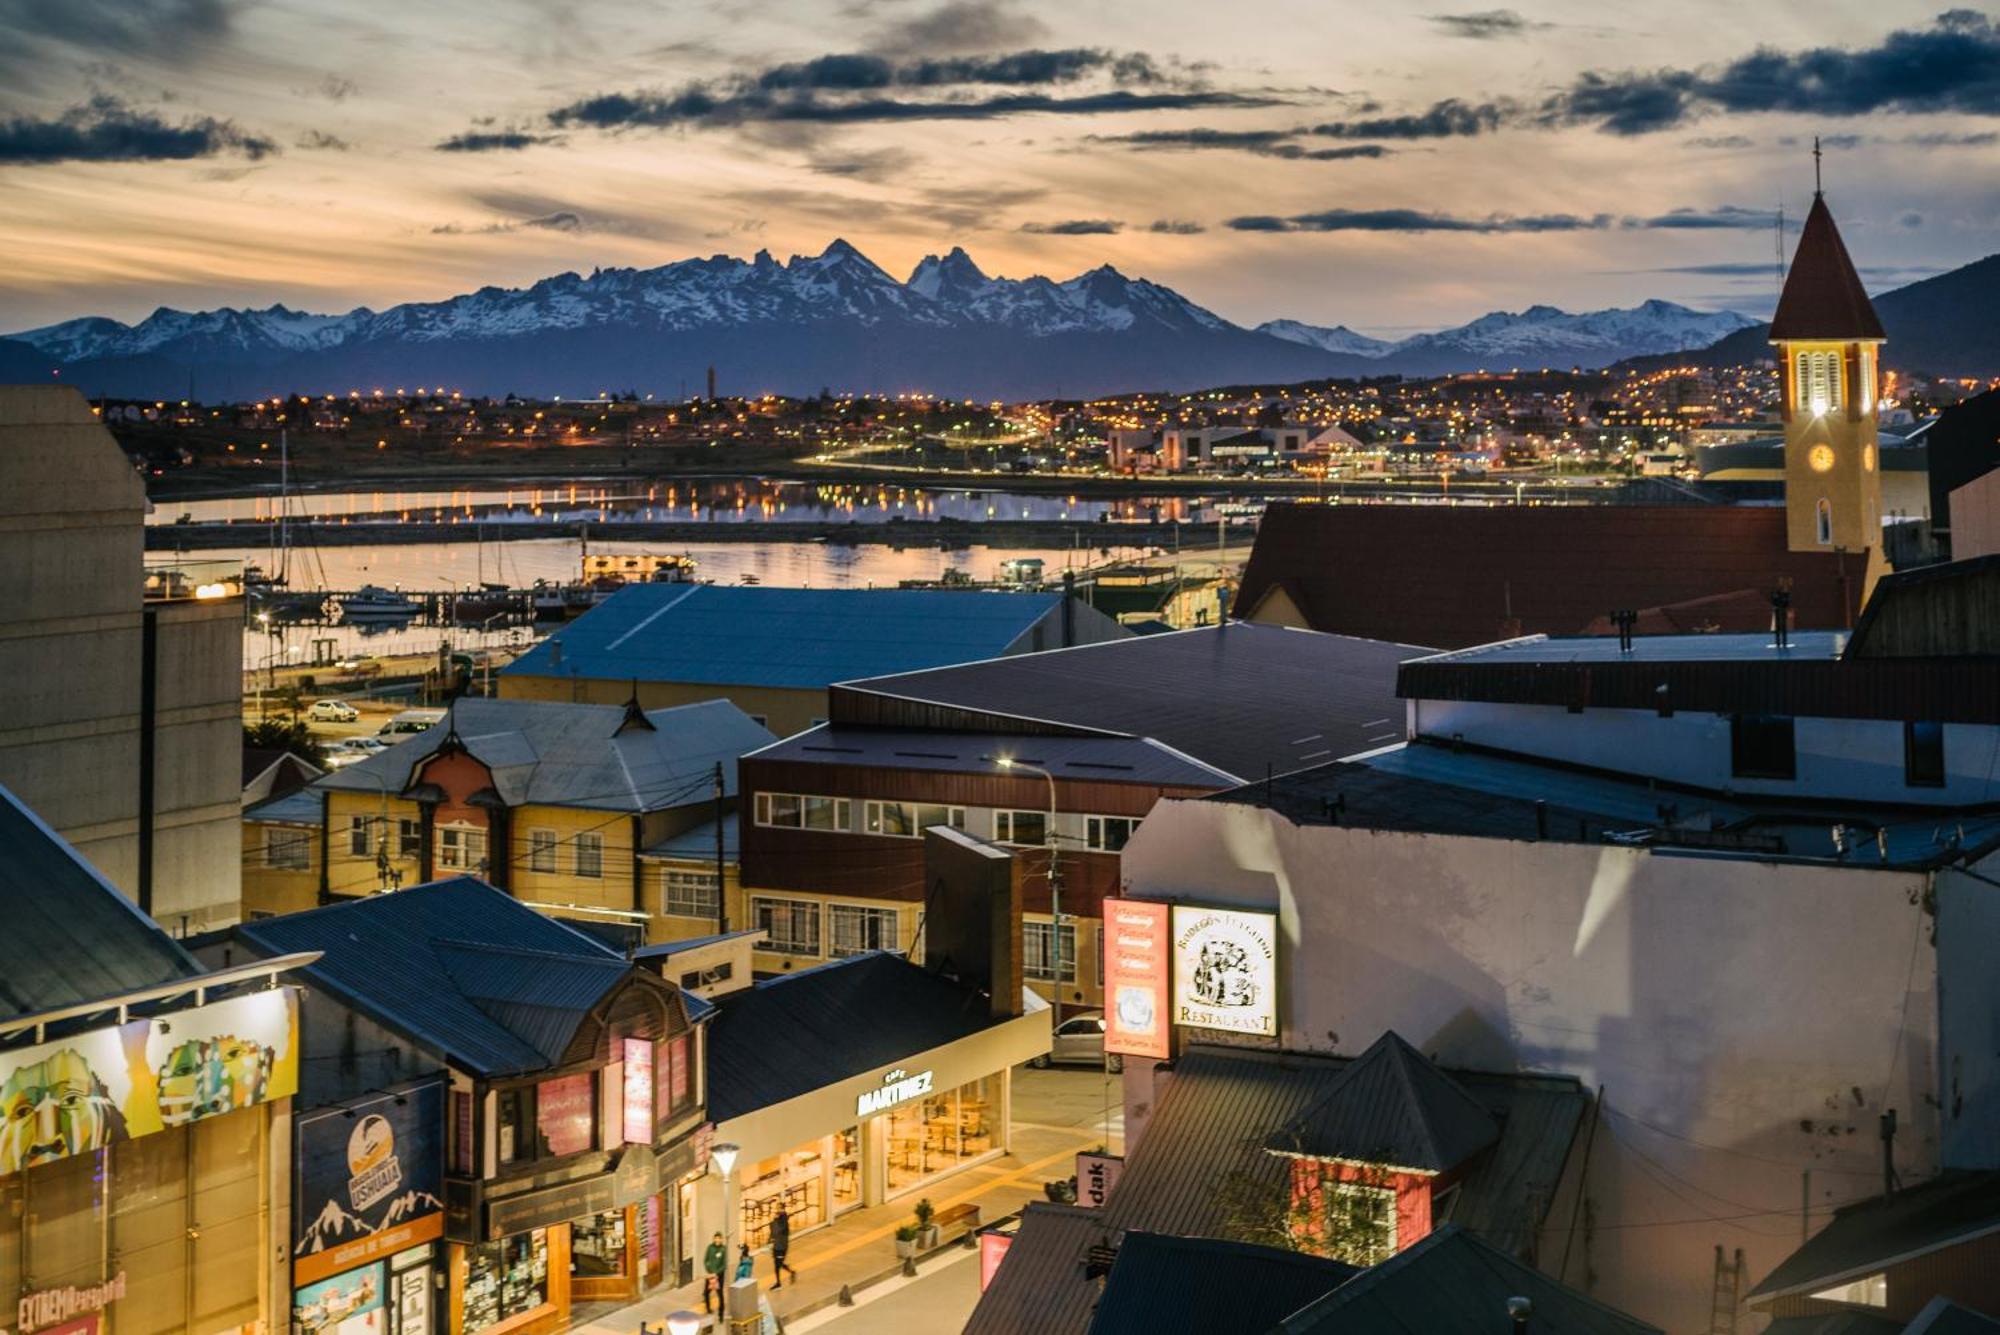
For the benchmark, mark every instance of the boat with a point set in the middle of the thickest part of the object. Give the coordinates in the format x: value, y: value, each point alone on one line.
x: 375, y: 603
x: 639, y: 568
x: 548, y: 599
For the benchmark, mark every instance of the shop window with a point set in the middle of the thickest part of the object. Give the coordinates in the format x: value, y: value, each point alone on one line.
x: 461, y: 848
x: 542, y: 850
x: 597, y: 1245
x: 1108, y: 834
x: 359, y: 836
x: 590, y: 855
x: 1923, y: 755
x: 1029, y: 828
x: 690, y: 894
x: 857, y: 928
x: 1762, y: 746
x: 409, y: 837
x: 288, y: 850
x: 566, y: 1115
x: 1037, y: 958
x: 506, y: 1279
x: 909, y: 820
x: 793, y: 811
x: 1361, y: 1222
x: 792, y: 924
x: 796, y: 1179
x: 941, y: 1133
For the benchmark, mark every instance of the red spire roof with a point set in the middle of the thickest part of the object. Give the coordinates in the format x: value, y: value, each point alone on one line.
x: 1823, y: 296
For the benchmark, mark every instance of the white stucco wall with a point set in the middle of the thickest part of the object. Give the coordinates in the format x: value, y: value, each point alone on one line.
x: 1748, y: 1021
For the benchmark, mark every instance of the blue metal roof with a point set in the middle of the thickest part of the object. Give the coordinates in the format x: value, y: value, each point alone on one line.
x: 301, y: 806
x: 1804, y: 645
x: 722, y: 635
x: 697, y: 842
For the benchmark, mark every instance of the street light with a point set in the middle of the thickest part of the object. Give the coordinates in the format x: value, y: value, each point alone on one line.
x: 724, y: 1157
x: 683, y: 1323
x: 1055, y: 882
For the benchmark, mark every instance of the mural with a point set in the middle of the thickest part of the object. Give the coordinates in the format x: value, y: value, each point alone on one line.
x: 85, y: 1092
x: 370, y: 1180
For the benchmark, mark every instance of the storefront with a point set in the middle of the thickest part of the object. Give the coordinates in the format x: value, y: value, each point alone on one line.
x: 875, y: 1130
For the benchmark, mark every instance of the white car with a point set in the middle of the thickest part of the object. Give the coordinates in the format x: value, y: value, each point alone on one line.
x: 351, y: 750
x: 332, y: 711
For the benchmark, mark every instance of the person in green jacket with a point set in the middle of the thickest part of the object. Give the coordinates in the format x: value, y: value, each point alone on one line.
x: 715, y: 1260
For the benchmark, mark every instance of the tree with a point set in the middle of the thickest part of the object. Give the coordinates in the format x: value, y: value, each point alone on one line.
x: 287, y: 735
x: 1335, y: 1215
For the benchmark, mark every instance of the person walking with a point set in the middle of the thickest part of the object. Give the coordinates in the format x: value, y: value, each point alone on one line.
x: 781, y: 1243
x: 714, y: 1261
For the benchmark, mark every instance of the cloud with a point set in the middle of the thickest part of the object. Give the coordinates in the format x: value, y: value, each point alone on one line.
x: 1264, y: 143
x: 1910, y: 219
x: 1723, y: 141
x: 1980, y: 139
x: 1416, y: 220
x: 112, y: 28
x: 1725, y: 217
x: 105, y: 129
x: 320, y: 139
x: 1176, y: 227
x: 963, y: 25
x: 863, y: 72
x: 336, y: 89
x: 1451, y: 118
x: 1486, y: 24
x: 561, y: 221
x: 875, y: 165
x: 491, y: 141
x: 1076, y: 227
x: 696, y: 106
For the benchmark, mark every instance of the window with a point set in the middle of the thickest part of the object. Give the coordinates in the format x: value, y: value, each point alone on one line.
x: 590, y: 855
x: 715, y: 973
x: 911, y: 819
x: 1361, y: 1223
x: 409, y: 837
x: 792, y: 925
x: 1817, y: 382
x: 1111, y: 833
x: 288, y: 850
x: 516, y: 1120
x: 690, y: 894
x: 1923, y: 755
x: 1030, y: 828
x: 791, y: 811
x: 1823, y: 521
x: 541, y: 850
x: 461, y: 848
x: 1035, y: 958
x: 1762, y: 747
x: 857, y: 928
x: 359, y: 835
x: 1865, y: 390
x: 1870, y: 1291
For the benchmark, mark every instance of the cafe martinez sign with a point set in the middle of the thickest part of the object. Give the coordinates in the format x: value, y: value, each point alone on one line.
x: 899, y: 1086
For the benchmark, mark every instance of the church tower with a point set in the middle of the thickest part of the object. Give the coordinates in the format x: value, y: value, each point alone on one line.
x: 1827, y: 336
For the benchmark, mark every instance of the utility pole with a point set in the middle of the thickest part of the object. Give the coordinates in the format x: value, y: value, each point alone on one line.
x: 721, y: 884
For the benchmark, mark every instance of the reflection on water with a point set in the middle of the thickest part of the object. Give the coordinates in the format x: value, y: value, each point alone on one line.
x: 457, y: 565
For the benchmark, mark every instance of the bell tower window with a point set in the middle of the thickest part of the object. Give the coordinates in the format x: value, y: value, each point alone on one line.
x: 1816, y: 382
x: 1823, y: 520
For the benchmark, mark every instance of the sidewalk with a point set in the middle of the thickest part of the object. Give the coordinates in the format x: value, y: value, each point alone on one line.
x: 859, y: 1249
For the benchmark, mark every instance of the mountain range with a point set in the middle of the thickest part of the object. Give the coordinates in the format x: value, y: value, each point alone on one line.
x: 833, y: 320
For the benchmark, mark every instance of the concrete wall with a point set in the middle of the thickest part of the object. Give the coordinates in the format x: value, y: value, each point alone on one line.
x: 198, y: 764
x: 1748, y: 1021
x: 1857, y: 759
x: 1975, y: 517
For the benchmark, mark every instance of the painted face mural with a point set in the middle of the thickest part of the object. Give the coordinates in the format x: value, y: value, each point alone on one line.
x: 208, y: 1076
x: 54, y: 1108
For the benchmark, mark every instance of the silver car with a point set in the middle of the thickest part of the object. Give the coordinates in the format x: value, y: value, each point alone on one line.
x: 1079, y: 1041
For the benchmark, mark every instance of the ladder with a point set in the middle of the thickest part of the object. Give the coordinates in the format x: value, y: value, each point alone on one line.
x: 1728, y: 1292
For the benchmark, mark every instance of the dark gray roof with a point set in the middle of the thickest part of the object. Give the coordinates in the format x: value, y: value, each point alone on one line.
x: 481, y: 979
x: 1864, y: 1238
x: 667, y: 949
x: 1041, y: 1287
x: 1160, y: 1283
x: 70, y: 936
x: 800, y: 1031
x: 1221, y: 1104
x: 1101, y: 759
x: 1453, y: 1281
x: 698, y: 842
x: 549, y: 753
x: 1851, y: 1322
x: 1941, y: 1316
x: 1804, y: 644
x: 1392, y: 1106
x: 1241, y: 698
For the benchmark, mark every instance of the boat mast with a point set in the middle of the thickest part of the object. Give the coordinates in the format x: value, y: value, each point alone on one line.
x: 284, y: 505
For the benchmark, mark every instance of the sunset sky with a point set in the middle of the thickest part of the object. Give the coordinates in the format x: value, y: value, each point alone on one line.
x: 1387, y: 166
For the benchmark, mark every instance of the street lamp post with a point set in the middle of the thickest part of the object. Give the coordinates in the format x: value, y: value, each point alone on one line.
x: 724, y: 1156
x: 1055, y: 882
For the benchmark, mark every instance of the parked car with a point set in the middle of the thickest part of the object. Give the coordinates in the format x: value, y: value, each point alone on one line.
x: 409, y: 721
x: 349, y: 750
x: 332, y: 711
x: 1079, y: 1041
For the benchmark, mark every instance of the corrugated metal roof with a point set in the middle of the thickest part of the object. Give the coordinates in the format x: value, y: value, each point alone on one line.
x: 1040, y: 1287
x: 302, y: 806
x: 1247, y: 699
x: 549, y: 753
x: 1836, y: 1323
x: 799, y: 1032
x: 1391, y: 1106
x: 1160, y: 1284
x: 1804, y: 645
x: 1942, y: 1316
x: 698, y: 842
x: 1100, y: 759
x: 1453, y: 1281
x: 465, y: 969
x: 725, y: 635
x: 70, y: 936
x: 1862, y: 1238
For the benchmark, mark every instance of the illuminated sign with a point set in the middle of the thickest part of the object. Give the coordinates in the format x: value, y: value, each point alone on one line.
x: 992, y: 1247
x: 1135, y: 978
x: 899, y: 1086
x: 1226, y: 969
x: 638, y: 1091
x: 52, y: 1306
x: 369, y: 1180
x: 1096, y: 1175
x: 88, y: 1091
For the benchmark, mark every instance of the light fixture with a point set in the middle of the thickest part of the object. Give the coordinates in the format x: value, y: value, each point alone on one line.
x: 683, y: 1323
x: 724, y: 1156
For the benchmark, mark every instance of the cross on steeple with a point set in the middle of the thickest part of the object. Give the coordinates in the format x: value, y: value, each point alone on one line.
x: 1817, y: 191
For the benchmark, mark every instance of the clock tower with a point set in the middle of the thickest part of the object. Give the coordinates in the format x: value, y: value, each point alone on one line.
x: 1828, y: 336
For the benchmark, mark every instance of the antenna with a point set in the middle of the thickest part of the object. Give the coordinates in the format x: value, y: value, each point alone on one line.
x: 1781, y: 251
x: 1817, y: 190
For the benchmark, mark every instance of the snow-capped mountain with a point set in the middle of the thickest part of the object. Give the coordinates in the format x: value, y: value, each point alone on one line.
x: 409, y: 1205
x: 1335, y: 338
x: 332, y: 1225
x: 832, y: 320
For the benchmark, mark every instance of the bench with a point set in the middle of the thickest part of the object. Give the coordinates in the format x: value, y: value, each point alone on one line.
x: 965, y: 1217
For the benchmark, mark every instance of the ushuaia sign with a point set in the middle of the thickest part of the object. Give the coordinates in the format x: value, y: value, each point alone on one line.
x: 1226, y: 969
x: 370, y: 1178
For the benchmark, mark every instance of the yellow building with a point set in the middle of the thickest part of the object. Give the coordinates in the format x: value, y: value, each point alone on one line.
x: 282, y: 854
x: 558, y: 804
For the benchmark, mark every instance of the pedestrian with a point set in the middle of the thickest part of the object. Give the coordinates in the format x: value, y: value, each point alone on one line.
x: 781, y: 1242
x: 743, y: 1266
x: 714, y: 1261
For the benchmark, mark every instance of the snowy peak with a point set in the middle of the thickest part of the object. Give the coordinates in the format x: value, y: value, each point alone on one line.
x: 1334, y: 338
x: 1545, y: 335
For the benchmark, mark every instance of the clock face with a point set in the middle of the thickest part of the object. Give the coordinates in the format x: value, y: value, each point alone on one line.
x: 1821, y: 458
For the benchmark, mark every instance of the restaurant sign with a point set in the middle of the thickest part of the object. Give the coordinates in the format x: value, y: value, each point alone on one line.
x: 88, y: 1091
x: 1226, y: 969
x: 899, y: 1086
x: 1136, y: 960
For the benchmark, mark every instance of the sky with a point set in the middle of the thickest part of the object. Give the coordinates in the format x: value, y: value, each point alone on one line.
x: 1392, y: 166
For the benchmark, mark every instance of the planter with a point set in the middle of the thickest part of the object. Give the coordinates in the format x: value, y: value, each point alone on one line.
x: 906, y: 1248
x: 927, y: 1238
